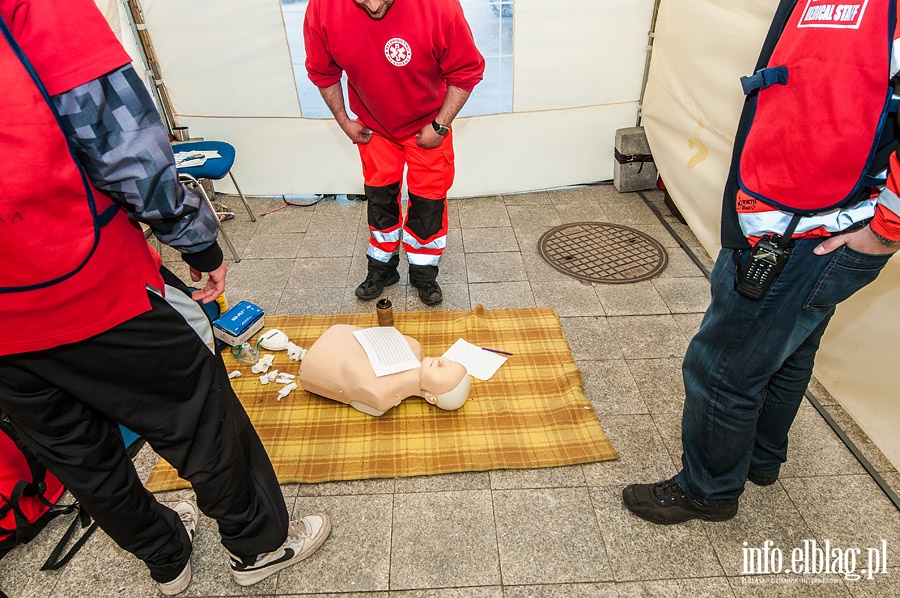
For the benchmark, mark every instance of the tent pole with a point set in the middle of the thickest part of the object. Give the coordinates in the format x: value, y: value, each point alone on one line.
x: 650, y: 36
x: 151, y: 62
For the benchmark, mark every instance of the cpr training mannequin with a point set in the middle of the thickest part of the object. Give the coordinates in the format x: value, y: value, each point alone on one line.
x: 336, y: 366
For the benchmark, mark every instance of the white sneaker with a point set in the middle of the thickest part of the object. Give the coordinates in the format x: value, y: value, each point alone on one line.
x: 190, y: 515
x: 304, y: 538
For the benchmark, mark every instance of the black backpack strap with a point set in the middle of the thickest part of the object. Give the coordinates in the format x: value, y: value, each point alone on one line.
x: 55, y: 561
x: 27, y: 530
x: 24, y: 528
x: 38, y: 471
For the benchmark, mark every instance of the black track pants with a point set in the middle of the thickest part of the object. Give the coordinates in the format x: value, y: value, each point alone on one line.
x: 156, y: 376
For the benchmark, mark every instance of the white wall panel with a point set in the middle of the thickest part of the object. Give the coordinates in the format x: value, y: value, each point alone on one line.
x: 578, y: 70
x: 572, y: 53
x: 285, y: 156
x: 693, y: 99
x: 858, y: 358
x: 223, y: 58
x: 494, y: 154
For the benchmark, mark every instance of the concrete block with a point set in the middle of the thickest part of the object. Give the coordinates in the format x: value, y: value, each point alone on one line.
x: 630, y: 172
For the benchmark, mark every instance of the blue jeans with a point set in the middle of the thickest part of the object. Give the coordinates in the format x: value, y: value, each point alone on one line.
x: 747, y: 369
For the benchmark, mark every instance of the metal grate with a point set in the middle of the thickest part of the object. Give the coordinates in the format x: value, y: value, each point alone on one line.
x: 602, y: 252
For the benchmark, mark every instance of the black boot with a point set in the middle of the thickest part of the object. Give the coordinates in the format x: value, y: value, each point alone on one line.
x: 424, y: 278
x: 665, y: 502
x: 380, y: 275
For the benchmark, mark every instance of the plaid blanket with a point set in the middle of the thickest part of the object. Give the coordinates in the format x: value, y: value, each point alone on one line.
x: 530, y: 414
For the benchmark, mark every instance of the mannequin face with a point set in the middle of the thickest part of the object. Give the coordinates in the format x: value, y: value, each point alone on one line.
x: 441, y: 375
x: 444, y: 383
x: 375, y: 8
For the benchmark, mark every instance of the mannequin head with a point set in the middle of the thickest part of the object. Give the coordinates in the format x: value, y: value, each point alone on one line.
x: 444, y: 383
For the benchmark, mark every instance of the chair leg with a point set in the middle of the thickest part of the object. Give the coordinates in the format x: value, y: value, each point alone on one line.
x: 212, y: 208
x: 243, y: 199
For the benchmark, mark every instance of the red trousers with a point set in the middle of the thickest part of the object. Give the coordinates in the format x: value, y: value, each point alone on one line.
x: 429, y: 175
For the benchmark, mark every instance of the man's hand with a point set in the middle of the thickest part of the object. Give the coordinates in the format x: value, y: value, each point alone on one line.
x: 427, y: 138
x: 334, y: 99
x: 215, y: 284
x: 862, y: 240
x: 356, y: 132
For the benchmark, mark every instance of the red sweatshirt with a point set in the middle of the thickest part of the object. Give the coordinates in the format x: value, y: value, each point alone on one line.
x: 398, y: 67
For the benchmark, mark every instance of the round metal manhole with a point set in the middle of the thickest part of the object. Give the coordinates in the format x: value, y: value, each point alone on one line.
x: 602, y: 252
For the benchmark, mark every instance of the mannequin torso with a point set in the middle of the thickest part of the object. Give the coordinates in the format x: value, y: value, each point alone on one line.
x: 336, y: 367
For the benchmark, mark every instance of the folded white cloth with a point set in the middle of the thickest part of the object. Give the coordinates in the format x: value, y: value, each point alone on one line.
x: 195, y: 158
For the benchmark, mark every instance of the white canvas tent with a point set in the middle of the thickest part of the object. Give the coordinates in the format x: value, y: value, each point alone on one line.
x: 578, y: 74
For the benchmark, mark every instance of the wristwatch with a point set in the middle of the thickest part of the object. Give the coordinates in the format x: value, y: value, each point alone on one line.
x: 885, y: 241
x: 439, y: 128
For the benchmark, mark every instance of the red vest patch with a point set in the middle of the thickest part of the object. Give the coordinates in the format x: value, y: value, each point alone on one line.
x: 825, y: 13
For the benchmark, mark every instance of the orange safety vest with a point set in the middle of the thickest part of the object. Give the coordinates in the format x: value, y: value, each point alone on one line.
x: 820, y: 107
x: 46, y: 240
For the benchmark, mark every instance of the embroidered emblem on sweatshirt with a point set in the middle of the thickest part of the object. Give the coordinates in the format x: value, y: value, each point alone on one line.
x: 397, y: 51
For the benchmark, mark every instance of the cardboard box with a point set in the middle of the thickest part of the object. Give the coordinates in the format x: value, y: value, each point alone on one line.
x: 239, y: 323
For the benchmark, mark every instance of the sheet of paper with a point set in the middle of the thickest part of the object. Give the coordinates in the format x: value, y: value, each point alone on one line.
x: 480, y: 363
x: 387, y: 350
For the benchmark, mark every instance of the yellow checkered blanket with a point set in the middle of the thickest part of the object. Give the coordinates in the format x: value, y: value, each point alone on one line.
x: 531, y: 413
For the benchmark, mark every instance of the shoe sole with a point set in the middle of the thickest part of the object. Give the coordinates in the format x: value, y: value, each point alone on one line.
x: 177, y: 585
x: 704, y: 517
x: 368, y: 297
x: 248, y: 579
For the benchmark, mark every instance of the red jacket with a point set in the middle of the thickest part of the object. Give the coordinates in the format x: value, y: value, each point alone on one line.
x: 398, y: 67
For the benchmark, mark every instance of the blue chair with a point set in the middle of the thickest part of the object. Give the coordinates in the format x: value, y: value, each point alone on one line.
x: 213, y: 169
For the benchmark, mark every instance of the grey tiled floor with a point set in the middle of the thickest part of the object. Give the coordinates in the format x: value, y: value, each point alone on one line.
x: 551, y: 533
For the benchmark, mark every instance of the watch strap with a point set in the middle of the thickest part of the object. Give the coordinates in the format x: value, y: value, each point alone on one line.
x: 439, y: 128
x: 885, y: 241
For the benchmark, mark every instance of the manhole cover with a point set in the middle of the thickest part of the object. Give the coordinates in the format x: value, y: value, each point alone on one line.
x: 601, y: 252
